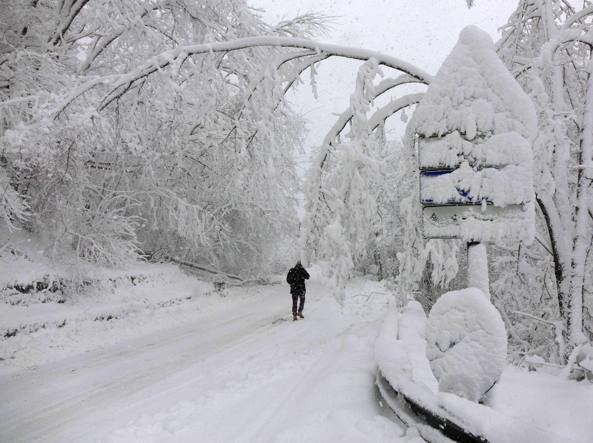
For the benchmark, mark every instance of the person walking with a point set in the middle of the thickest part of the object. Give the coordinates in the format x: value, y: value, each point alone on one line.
x: 296, y: 279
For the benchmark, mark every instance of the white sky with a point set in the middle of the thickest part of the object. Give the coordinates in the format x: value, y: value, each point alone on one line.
x: 422, y: 32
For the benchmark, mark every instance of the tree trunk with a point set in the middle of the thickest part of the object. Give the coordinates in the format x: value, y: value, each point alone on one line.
x: 560, y: 271
x: 582, y: 232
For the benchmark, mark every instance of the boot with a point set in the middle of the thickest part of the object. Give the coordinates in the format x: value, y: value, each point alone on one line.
x: 301, y: 315
x: 294, y: 317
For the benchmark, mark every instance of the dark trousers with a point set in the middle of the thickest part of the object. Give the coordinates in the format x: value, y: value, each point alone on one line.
x: 300, y: 300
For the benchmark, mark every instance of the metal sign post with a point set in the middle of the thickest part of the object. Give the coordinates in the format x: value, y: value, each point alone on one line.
x: 477, y: 270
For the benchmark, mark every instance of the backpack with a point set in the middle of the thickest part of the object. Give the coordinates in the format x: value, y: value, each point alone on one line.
x: 290, y: 276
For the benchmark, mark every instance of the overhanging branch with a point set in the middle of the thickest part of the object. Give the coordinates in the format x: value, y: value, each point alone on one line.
x: 346, y: 116
x: 166, y: 58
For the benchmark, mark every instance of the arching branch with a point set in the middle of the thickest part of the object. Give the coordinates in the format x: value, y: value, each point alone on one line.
x: 103, y: 41
x: 565, y: 37
x: 383, y: 113
x: 125, y: 81
x: 577, y: 17
x: 346, y: 116
x: 299, y: 70
x: 66, y: 21
x: 312, y: 58
x: 379, y: 117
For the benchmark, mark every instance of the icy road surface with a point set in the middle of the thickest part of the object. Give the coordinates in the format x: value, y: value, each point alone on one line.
x: 239, y: 371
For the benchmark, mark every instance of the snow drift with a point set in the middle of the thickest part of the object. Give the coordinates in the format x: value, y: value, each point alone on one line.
x: 466, y: 343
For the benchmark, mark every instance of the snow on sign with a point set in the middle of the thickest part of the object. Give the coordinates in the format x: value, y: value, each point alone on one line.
x: 474, y: 127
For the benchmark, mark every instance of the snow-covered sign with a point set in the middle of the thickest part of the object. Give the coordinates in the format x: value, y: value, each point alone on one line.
x: 473, y: 128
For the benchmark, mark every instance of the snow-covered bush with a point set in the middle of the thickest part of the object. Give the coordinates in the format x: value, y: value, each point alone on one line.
x: 580, y: 363
x: 336, y: 251
x: 522, y: 288
x: 356, y: 174
x: 466, y: 343
x: 202, y: 145
x: 13, y: 209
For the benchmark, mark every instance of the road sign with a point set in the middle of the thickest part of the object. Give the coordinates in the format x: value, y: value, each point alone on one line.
x: 469, y: 222
x: 473, y: 130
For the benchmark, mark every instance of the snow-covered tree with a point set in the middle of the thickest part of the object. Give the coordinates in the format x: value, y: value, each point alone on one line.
x: 354, y: 176
x: 160, y: 128
x: 164, y: 113
x: 548, y: 44
x: 191, y: 158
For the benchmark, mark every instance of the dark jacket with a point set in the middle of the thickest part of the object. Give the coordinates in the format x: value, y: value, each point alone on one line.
x: 296, y: 279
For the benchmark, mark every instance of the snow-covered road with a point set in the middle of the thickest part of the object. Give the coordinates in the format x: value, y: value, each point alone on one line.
x: 239, y: 373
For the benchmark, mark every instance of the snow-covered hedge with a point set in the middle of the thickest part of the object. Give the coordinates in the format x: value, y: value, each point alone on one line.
x: 466, y: 343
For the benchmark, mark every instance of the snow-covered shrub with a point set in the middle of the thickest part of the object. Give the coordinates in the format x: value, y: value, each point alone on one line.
x: 466, y: 343
x: 350, y: 187
x: 580, y: 363
x: 13, y: 208
x: 337, y: 252
x: 105, y: 234
x: 203, y: 146
x: 522, y: 288
x: 359, y: 177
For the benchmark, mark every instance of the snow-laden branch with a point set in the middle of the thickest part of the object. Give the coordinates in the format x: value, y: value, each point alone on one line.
x: 318, y: 205
x: 166, y: 58
x: 383, y: 113
x: 347, y: 115
x: 577, y: 17
x: 562, y: 38
x: 66, y: 22
x: 560, y: 250
x: 312, y: 58
x: 583, y: 226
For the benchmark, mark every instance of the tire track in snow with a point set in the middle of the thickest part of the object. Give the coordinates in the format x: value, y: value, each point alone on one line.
x: 240, y: 364
x: 280, y: 412
x: 241, y: 388
x: 39, y: 404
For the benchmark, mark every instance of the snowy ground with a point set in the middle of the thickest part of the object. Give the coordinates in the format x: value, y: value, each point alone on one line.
x: 526, y: 407
x: 169, y: 359
x: 216, y: 369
